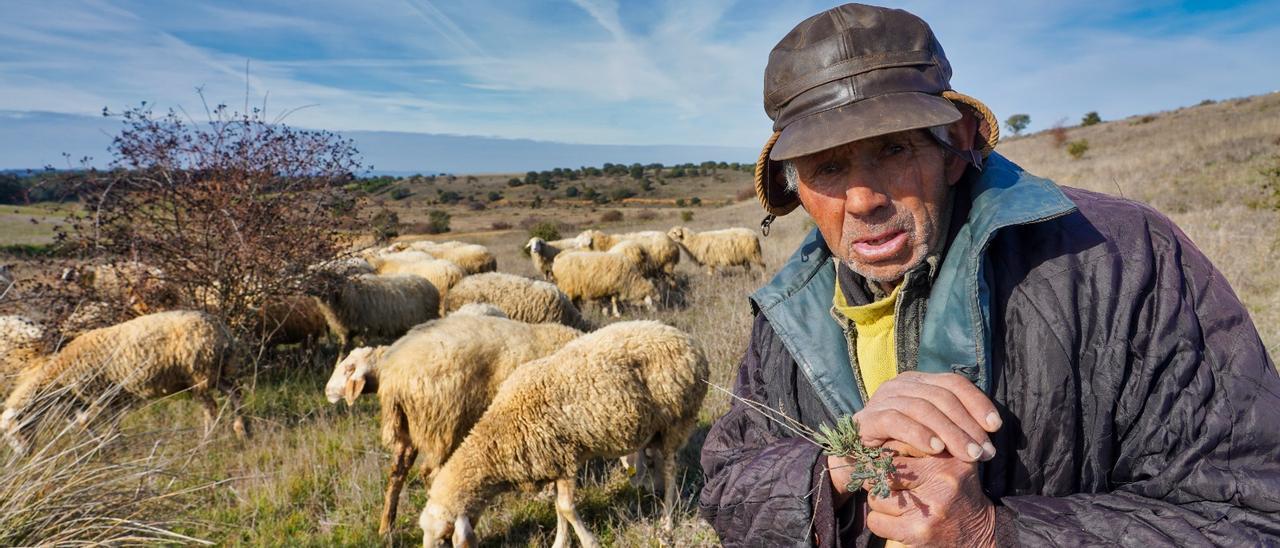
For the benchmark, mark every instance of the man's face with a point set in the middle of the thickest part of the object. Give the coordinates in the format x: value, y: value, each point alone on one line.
x: 879, y: 202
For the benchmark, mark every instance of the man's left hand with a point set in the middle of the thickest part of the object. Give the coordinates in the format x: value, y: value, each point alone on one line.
x: 936, y: 501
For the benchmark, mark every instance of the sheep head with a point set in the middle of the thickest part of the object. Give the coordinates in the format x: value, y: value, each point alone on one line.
x: 352, y: 374
x: 678, y: 233
x: 535, y: 245
x: 438, y: 525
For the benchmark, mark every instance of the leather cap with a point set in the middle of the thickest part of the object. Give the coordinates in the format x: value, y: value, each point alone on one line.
x: 850, y: 73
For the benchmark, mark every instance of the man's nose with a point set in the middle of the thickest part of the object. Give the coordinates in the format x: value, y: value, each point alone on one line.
x: 862, y: 200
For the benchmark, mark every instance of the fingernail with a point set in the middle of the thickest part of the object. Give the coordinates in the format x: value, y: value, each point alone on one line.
x: 993, y: 420
x: 974, y: 451
x: 936, y: 444
x: 989, y: 451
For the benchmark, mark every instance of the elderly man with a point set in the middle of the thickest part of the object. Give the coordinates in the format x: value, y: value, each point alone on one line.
x: 1054, y: 366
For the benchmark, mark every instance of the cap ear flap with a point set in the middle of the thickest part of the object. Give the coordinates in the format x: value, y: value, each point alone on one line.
x: 353, y: 388
x: 463, y: 535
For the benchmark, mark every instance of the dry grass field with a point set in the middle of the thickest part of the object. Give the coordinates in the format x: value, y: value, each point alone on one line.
x: 313, y: 473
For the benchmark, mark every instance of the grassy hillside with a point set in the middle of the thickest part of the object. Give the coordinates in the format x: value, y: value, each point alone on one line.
x: 314, y: 473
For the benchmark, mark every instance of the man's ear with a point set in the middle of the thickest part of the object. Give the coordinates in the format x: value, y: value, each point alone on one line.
x: 963, y: 133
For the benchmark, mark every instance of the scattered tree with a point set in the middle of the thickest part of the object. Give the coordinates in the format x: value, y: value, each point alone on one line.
x: 1090, y: 119
x: 1017, y: 122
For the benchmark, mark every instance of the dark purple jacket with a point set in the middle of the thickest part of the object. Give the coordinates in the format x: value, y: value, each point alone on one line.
x: 1139, y: 405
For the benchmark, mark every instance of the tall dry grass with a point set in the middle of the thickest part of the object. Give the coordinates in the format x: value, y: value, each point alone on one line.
x: 83, y: 482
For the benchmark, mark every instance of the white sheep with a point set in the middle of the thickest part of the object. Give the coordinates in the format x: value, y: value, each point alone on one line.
x: 720, y: 248
x: 435, y: 382
x: 147, y: 357
x: 543, y: 253
x: 615, y: 274
x: 346, y: 266
x: 140, y: 287
x: 521, y: 299
x: 472, y: 258
x: 441, y: 273
x: 661, y: 253
x: 375, y: 307
x: 21, y: 342
x: 629, y: 387
x: 479, y: 309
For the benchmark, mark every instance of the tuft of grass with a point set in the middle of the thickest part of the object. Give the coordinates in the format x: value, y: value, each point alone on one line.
x: 80, y: 483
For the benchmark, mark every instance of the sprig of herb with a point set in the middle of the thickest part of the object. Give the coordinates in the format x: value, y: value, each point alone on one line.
x: 870, y: 464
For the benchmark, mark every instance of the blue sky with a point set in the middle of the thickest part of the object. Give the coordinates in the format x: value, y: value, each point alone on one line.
x: 599, y: 71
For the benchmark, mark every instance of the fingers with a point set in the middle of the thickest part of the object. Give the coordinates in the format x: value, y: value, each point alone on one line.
x: 897, y: 528
x: 932, y: 412
x: 896, y: 504
x: 881, y: 425
x: 976, y: 402
x: 921, y: 424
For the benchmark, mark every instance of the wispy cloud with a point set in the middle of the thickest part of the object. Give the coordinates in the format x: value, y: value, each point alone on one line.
x: 601, y: 71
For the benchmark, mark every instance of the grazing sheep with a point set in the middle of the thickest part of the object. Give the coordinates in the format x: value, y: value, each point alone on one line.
x: 521, y: 299
x: 146, y: 357
x: 661, y: 254
x: 479, y: 309
x: 139, y: 286
x: 720, y: 248
x: 629, y: 387
x: 375, y: 307
x: 290, y: 320
x: 542, y: 252
x: 435, y: 382
x: 346, y: 266
x: 471, y: 257
x: 21, y: 341
x: 613, y: 274
x: 441, y: 273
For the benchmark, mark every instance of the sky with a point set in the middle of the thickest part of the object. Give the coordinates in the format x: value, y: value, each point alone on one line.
x: 597, y: 71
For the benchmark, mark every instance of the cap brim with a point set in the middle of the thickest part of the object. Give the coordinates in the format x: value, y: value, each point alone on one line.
x: 879, y: 115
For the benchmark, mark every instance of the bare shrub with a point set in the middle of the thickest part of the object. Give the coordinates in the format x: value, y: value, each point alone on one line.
x: 686, y: 216
x: 500, y: 225
x: 1058, y: 134
x: 646, y: 215
x: 746, y: 193
x: 611, y: 216
x: 226, y: 213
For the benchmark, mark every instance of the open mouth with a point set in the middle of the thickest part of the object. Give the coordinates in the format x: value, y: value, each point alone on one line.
x: 881, y: 246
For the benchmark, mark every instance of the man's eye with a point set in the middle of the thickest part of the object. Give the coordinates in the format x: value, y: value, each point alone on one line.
x: 890, y: 150
x: 829, y: 168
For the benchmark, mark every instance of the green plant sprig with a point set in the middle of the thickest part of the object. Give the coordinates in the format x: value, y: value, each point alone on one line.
x: 870, y: 464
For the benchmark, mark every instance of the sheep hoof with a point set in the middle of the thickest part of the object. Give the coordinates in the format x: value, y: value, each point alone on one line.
x: 241, y: 428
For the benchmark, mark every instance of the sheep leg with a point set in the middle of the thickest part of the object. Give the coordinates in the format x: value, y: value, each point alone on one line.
x: 210, y: 409
x: 613, y: 300
x: 232, y: 391
x: 666, y: 481
x: 566, y: 510
x: 400, y: 464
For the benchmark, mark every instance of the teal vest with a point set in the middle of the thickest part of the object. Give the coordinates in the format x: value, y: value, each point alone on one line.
x: 956, y: 334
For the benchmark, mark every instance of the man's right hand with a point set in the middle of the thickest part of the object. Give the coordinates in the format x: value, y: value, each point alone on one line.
x: 931, y: 412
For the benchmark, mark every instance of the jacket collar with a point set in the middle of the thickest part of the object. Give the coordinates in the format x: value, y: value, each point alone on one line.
x: 956, y: 335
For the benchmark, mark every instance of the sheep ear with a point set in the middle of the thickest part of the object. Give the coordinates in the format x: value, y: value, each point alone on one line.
x: 353, y: 389
x: 463, y: 535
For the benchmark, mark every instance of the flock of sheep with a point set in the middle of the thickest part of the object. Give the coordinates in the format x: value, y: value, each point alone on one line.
x: 486, y: 380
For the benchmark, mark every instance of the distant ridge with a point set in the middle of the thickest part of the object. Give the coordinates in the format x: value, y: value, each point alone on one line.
x: 30, y: 140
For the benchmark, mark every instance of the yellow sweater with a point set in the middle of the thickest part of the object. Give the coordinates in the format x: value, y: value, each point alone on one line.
x: 877, y: 355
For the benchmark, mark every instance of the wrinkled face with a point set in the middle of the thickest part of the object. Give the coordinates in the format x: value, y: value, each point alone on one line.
x: 880, y: 203
x: 358, y: 359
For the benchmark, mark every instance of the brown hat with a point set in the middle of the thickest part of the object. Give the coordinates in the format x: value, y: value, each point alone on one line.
x: 851, y: 73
